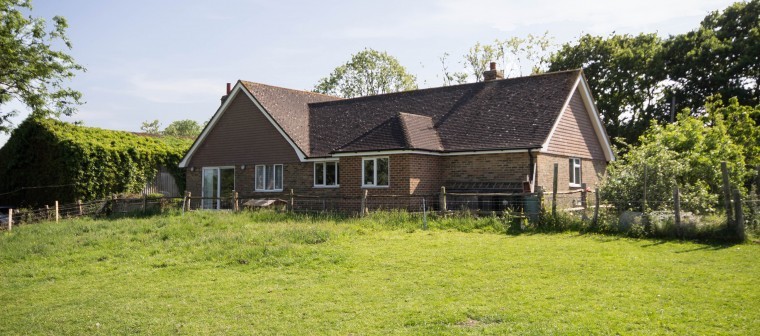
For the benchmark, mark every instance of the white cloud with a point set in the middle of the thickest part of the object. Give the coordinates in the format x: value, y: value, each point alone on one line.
x: 169, y: 90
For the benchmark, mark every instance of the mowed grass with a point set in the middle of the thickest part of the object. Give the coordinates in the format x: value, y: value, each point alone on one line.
x: 269, y: 273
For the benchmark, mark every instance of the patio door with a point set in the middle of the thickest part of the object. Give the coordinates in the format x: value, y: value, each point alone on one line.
x: 218, y: 186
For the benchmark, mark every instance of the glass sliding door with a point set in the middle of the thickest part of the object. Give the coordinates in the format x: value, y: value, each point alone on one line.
x: 218, y: 186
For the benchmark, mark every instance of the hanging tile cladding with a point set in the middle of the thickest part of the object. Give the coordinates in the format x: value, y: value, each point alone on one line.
x: 243, y: 135
x: 574, y: 134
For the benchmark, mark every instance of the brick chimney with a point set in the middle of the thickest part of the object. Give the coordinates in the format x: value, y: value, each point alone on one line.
x: 493, y: 74
x: 229, y: 88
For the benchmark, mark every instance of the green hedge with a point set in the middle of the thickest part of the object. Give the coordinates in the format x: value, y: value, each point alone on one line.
x: 91, y: 162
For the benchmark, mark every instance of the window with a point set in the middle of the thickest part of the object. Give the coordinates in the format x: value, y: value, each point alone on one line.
x: 326, y: 174
x: 375, y: 172
x: 268, y: 177
x: 575, y: 172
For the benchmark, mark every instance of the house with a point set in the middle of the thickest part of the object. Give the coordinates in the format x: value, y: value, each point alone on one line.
x: 489, y: 136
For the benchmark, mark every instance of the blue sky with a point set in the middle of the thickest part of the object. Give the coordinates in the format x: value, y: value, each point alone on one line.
x: 170, y: 60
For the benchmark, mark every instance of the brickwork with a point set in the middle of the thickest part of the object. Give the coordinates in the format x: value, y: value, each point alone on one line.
x: 591, y: 172
x: 507, y: 167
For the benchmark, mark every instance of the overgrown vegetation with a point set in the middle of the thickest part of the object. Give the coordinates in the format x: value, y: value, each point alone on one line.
x: 84, y: 162
x: 276, y: 273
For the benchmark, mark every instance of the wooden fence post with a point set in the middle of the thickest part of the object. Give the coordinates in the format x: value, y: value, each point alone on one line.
x: 190, y: 200
x: 677, y: 209
x: 554, y: 190
x: 56, y: 211
x: 442, y: 200
x: 144, y: 202
x: 292, y: 201
x: 47, y: 212
x: 364, y: 202
x: 79, y: 205
x: 739, y: 215
x: 595, y: 221
x: 10, y: 219
x: 184, y: 201
x: 726, y: 193
x: 236, y: 200
x: 584, y: 201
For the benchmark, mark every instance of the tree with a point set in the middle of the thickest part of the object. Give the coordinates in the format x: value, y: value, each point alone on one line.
x: 369, y: 72
x: 151, y: 127
x: 721, y: 56
x: 513, y: 53
x: 625, y: 74
x: 687, y: 152
x: 31, y: 70
x: 183, y: 128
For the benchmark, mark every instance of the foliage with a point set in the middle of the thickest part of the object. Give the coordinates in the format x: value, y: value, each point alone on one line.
x: 290, y: 274
x: 513, y: 54
x: 151, y: 127
x: 721, y: 56
x: 88, y: 163
x: 687, y: 153
x: 369, y: 72
x: 742, y: 126
x: 183, y: 128
x: 625, y: 75
x: 31, y: 70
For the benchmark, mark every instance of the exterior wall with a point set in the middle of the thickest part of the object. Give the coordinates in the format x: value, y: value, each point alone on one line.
x: 426, y: 174
x: 506, y: 167
x: 574, y: 135
x: 591, y: 173
x: 243, y: 135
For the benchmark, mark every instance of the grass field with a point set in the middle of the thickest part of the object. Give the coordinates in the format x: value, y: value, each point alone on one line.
x: 268, y: 273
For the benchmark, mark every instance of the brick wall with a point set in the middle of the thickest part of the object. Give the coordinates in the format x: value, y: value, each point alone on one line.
x: 506, y: 167
x: 591, y: 172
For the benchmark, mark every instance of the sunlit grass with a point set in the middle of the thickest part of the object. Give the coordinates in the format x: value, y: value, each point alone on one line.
x: 272, y: 273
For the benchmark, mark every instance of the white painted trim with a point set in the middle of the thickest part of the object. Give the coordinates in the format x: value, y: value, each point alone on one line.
x: 593, y: 114
x: 223, y: 108
x: 414, y: 151
x: 572, y: 169
x: 545, y: 145
x: 601, y: 132
x: 374, y: 172
x: 256, y: 168
x: 324, y: 174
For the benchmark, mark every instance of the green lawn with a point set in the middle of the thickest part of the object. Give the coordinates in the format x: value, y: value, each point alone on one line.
x: 265, y: 273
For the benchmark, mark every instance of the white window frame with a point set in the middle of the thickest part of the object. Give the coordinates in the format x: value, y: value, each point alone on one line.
x: 324, y: 175
x: 575, y: 163
x: 374, y: 172
x: 274, y: 171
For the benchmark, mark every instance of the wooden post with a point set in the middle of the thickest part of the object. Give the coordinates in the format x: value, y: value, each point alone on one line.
x: 595, y: 221
x: 236, y: 200
x: 190, y: 201
x: 584, y: 201
x: 10, y: 219
x: 56, y: 211
x: 81, y: 210
x: 364, y: 202
x: 144, y: 202
x: 644, y: 196
x: 554, y: 190
x: 739, y: 215
x: 442, y: 200
x: 292, y: 201
x: 726, y: 193
x: 184, y: 201
x: 677, y: 209
x: 47, y: 212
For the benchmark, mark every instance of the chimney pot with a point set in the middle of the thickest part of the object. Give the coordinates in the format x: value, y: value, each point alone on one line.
x: 493, y: 74
x: 229, y: 88
x: 493, y: 65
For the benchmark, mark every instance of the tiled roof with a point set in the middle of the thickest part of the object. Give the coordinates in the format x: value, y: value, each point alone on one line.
x: 289, y: 108
x: 515, y: 113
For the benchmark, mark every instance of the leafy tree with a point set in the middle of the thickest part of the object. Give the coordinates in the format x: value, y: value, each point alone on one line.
x: 151, y: 127
x: 183, y: 128
x: 31, y: 70
x: 369, y: 72
x: 513, y: 53
x: 625, y: 74
x: 741, y: 123
x: 687, y: 152
x: 721, y: 56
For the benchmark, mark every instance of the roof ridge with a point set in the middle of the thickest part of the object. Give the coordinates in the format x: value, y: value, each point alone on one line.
x: 448, y: 87
x: 289, y: 89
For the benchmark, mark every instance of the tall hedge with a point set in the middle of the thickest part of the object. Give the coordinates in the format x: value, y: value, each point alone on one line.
x: 86, y: 162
